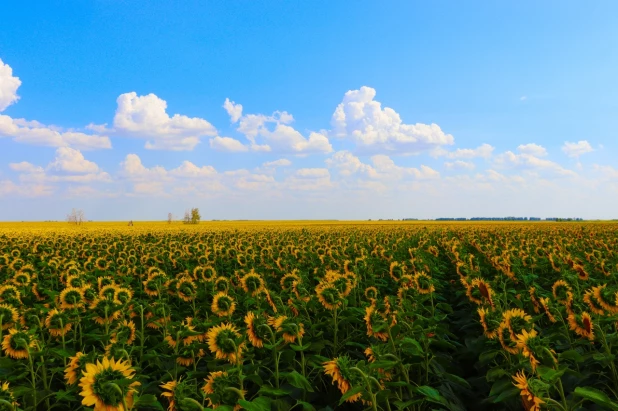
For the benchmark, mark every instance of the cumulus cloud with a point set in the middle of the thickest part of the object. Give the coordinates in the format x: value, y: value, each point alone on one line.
x: 70, y: 160
x: 8, y: 86
x: 362, y: 119
x: 26, y: 167
x: 228, y: 144
x: 532, y: 163
x: 189, y: 170
x: 382, y: 167
x: 146, y: 117
x: 133, y: 169
x: 483, y: 151
x: 309, y: 179
x: 532, y: 149
x: 459, y: 165
x: 233, y: 109
x: 282, y: 162
x: 577, y: 149
x: 274, y: 133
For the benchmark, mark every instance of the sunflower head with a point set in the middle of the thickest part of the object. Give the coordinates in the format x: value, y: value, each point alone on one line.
x: 76, y: 365
x: 186, y: 289
x: 124, y: 333
x: 288, y: 279
x: 176, y: 392
x: 123, y: 295
x: 106, y: 383
x: 216, y: 389
x: 329, y: 296
x: 57, y: 322
x: 222, y: 284
x: 18, y: 343
x: 8, y: 316
x: 223, y: 305
x: 252, y: 283
x: 371, y: 293
x: 339, y: 369
x: 257, y: 329
x: 7, y: 395
x: 225, y: 342
x: 424, y: 284
x: 71, y: 297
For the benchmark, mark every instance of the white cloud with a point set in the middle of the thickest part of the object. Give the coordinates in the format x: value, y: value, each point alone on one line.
x: 35, y: 133
x: 8, y: 86
x: 362, y: 119
x: 483, y: 151
x: 309, y: 179
x: 532, y: 163
x: 26, y: 167
x: 532, y: 149
x: 233, y: 109
x: 460, y: 165
x: 279, y: 136
x: 189, y: 170
x: 282, y: 162
x: 70, y: 160
x: 382, y: 167
x: 577, y: 149
x: 312, y: 173
x: 227, y: 144
x: 146, y: 117
x: 607, y: 172
x: 133, y: 169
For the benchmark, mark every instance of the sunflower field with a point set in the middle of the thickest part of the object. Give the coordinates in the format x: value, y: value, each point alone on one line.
x: 315, y: 316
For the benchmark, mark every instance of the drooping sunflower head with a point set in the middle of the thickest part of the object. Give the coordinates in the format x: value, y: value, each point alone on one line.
x: 490, y: 320
x: 561, y: 290
x: 582, y: 325
x: 371, y: 293
x: 205, y: 273
x: 123, y: 295
x: 8, y: 316
x: 106, y: 383
x: 10, y: 294
x: 376, y: 324
x: 530, y: 346
x: 90, y: 294
x: 7, y: 395
x: 225, y: 342
x: 289, y: 329
x: 424, y: 284
x: 31, y: 318
x: 186, y: 289
x: 217, y: 392
x: 222, y: 284
x: 517, y: 320
x: 71, y: 297
x: 339, y: 370
x: 252, y: 283
x: 223, y: 305
x: 57, y: 322
x: 329, y: 296
x: 76, y: 365
x: 178, y: 393
x: 124, y: 333
x: 530, y: 401
x: 18, y: 343
x: 288, y: 279
x: 257, y: 329
x: 105, y: 311
x: 21, y: 278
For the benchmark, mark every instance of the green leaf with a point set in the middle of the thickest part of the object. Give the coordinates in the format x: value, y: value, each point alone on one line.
x: 258, y: 404
x: 507, y: 394
x: 500, y: 386
x: 306, y: 406
x: 572, y: 355
x: 384, y: 365
x: 412, y: 347
x: 352, y: 392
x: 431, y: 394
x: 275, y: 392
x: 444, y: 307
x: 549, y: 374
x: 487, y: 357
x: 495, y: 373
x: 148, y: 400
x: 297, y: 380
x: 304, y: 347
x: 596, y: 396
x: 456, y: 379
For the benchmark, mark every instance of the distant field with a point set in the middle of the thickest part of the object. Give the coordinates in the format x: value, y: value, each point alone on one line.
x: 309, y: 315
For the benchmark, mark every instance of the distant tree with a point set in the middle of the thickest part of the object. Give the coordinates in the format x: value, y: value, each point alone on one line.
x: 169, y: 218
x: 192, y: 216
x: 76, y: 217
x: 195, y: 216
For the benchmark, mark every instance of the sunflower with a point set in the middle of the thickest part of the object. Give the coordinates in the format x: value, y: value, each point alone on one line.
x: 75, y: 281
x: 252, y: 283
x: 17, y: 344
x: 376, y: 324
x: 124, y: 333
x: 7, y: 395
x: 8, y: 316
x: 123, y: 296
x: 560, y: 291
x: 287, y: 280
x: 582, y: 325
x: 504, y: 336
x: 105, y: 310
x: 223, y: 305
x: 423, y: 283
x: 288, y: 328
x: 371, y: 293
x: 10, y: 294
x: 57, y: 322
x: 224, y: 341
x: 107, y: 385
x: 329, y: 296
x: 183, y: 332
x: 485, y: 292
x: 76, y: 363
x: 516, y: 320
x: 154, y: 284
x: 606, y: 298
x: 535, y: 302
x: 204, y: 274
x: 186, y: 289
x: 530, y: 401
x: 255, y: 329
x: 486, y: 321
x: 21, y: 278
x: 525, y: 342
x: 591, y: 301
x: 339, y: 370
x: 71, y: 297
x: 545, y: 304
x: 169, y: 393
x: 218, y: 393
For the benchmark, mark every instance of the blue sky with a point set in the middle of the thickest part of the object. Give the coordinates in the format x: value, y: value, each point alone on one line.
x: 371, y: 110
